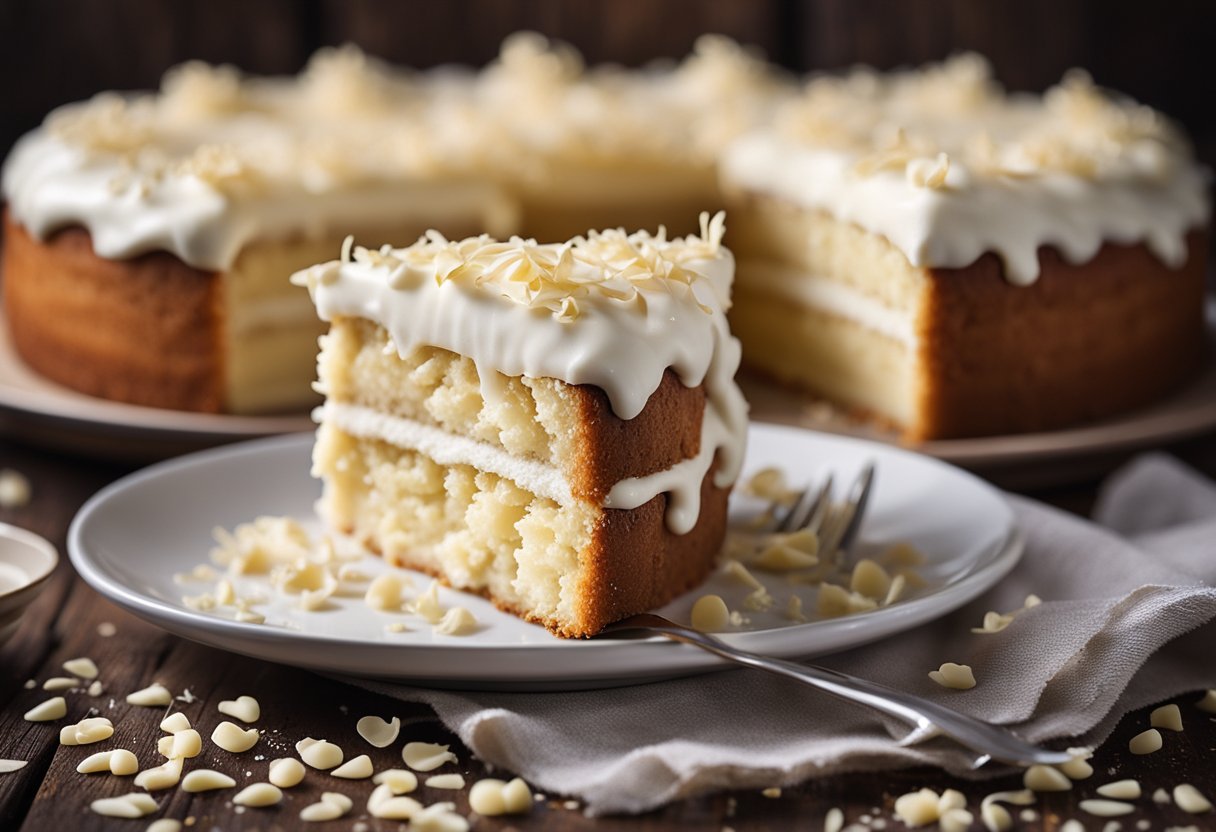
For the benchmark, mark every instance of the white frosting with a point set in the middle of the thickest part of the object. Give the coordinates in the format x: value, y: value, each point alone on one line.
x: 834, y: 298
x: 613, y: 310
x: 947, y: 167
x: 447, y: 448
x: 215, y: 160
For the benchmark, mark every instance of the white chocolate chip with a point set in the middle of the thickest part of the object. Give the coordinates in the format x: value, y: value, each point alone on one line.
x: 710, y: 614
x: 954, y: 676
x: 165, y: 825
x: 772, y: 792
x: 833, y: 821
x: 231, y: 737
x: 955, y: 820
x: 258, y: 794
x: 356, y: 768
x: 383, y: 804
x: 82, y: 667
x: 1106, y: 808
x: 1078, y: 768
x: 54, y: 708
x: 164, y: 776
x: 118, y: 761
x: 1208, y: 702
x: 1162, y: 797
x: 286, y: 772
x: 320, y: 754
x: 456, y: 622
x: 87, y: 731
x: 384, y: 593
x: 426, y: 756
x: 486, y: 797
x: 917, y: 808
x: 1073, y: 825
x: 996, y: 817
x: 95, y: 688
x: 153, y: 696
x: 206, y: 780
x: 1045, y: 779
x: 1146, y: 742
x: 1189, y: 799
x: 1168, y: 717
x: 14, y: 488
x: 175, y: 722
x: 398, y: 780
x: 57, y: 683
x: 870, y: 580
x: 244, y: 708
x: 1121, y: 790
x: 517, y: 797
x: 184, y: 744
x: 164, y: 747
x: 898, y: 585
x: 377, y: 732
x: 789, y: 553
x: 739, y: 572
x: 133, y: 805
x: 445, y: 781
x: 250, y: 617
x: 438, y: 817
x: 9, y: 766
x: 951, y: 799
x: 428, y: 605
x: 331, y: 806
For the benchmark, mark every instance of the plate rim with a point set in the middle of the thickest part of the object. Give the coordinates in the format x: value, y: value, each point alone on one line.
x: 988, y: 567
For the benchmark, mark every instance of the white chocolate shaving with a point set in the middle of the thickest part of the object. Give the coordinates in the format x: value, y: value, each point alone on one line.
x: 153, y: 696
x: 165, y: 776
x: 1121, y: 790
x: 1106, y: 808
x: 206, y: 780
x: 319, y: 754
x: 133, y: 805
x: 398, y: 780
x: 231, y: 737
x: 119, y: 761
x: 1039, y: 778
x: 1146, y: 742
x: 954, y: 676
x: 356, y: 768
x: 54, y: 708
x: 87, y: 731
x: 58, y: 683
x: 426, y: 756
x: 286, y: 772
x: 445, y: 781
x: 1168, y: 717
x: 710, y: 614
x: 1189, y: 799
x: 244, y: 708
x: 82, y: 667
x: 258, y: 794
x: 377, y: 732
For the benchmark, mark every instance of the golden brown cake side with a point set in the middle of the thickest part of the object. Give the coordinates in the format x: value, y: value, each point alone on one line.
x: 146, y: 330
x: 1082, y: 343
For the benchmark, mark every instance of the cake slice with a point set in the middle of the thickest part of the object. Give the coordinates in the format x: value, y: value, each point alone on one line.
x: 958, y: 261
x: 556, y: 427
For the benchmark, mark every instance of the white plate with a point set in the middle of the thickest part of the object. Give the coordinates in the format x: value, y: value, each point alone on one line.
x: 33, y: 405
x: 1023, y: 460
x: 132, y: 537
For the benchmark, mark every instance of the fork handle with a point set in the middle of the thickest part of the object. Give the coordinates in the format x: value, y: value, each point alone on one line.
x: 993, y: 741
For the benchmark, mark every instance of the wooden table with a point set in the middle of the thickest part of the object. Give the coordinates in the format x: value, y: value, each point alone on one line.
x: 66, y: 621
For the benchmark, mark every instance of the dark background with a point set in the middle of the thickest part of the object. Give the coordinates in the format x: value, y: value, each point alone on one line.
x: 1159, y: 51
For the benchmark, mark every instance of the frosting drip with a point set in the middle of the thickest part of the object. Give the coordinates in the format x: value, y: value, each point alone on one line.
x: 610, y: 310
x: 948, y: 167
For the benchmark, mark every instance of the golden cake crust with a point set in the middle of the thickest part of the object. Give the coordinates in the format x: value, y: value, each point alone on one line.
x: 1081, y: 343
x: 147, y: 330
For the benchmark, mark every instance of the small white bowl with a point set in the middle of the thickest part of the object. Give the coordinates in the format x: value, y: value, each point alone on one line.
x: 26, y: 564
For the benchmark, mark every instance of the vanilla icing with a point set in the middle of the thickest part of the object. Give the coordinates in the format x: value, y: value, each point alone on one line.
x: 610, y: 310
x: 948, y: 167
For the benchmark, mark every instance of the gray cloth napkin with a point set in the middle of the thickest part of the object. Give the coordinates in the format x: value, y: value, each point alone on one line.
x: 1126, y: 621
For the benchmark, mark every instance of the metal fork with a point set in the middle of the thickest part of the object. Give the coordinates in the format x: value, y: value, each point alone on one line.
x: 811, y: 510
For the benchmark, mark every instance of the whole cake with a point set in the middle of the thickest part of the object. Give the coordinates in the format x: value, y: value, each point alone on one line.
x: 555, y: 426
x: 958, y: 261
x: 149, y: 237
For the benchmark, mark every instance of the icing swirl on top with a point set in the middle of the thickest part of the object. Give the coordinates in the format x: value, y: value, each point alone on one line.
x: 947, y: 165
x: 611, y: 309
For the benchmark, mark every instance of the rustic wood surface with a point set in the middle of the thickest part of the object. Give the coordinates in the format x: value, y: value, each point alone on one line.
x: 49, y: 794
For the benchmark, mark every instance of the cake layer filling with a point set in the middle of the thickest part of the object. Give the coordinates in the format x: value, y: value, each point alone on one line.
x: 681, y: 482
x: 830, y: 297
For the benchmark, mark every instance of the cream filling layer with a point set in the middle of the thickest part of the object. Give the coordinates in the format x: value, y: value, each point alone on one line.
x: 681, y: 482
x: 831, y: 296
